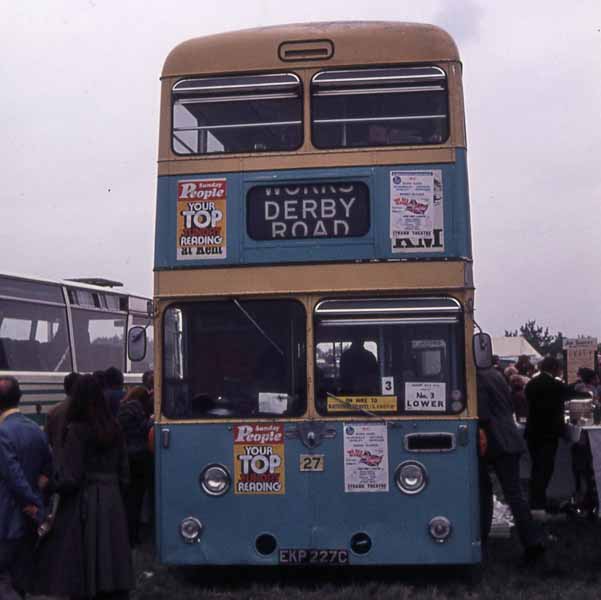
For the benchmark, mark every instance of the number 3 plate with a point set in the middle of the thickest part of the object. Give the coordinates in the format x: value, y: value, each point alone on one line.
x: 312, y: 462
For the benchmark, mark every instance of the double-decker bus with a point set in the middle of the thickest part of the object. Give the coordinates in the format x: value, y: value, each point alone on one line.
x: 50, y: 328
x: 314, y: 300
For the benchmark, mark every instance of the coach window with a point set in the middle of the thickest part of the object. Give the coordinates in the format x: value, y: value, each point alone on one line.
x: 99, y: 339
x: 33, y: 337
x: 234, y: 114
x: 379, y: 107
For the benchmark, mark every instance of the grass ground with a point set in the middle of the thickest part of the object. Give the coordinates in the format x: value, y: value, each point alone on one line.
x: 571, y: 569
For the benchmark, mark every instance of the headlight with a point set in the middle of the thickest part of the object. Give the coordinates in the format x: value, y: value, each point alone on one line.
x: 215, y: 480
x: 190, y: 529
x: 411, y: 477
x: 440, y: 529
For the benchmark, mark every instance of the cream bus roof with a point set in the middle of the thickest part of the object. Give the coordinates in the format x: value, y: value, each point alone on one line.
x: 353, y: 43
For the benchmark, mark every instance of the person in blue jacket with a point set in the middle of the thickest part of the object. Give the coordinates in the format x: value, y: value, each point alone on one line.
x: 25, y: 468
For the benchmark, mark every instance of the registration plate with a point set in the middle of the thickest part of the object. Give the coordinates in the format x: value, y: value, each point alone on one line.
x: 298, y: 556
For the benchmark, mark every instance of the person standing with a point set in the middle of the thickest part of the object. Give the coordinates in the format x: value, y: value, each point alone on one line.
x: 503, y: 449
x: 55, y: 421
x: 134, y: 418
x: 148, y: 382
x: 25, y: 466
x: 88, y: 554
x: 114, y: 392
x: 546, y: 423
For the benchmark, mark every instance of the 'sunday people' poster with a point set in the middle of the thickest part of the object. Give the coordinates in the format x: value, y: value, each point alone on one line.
x: 201, y: 219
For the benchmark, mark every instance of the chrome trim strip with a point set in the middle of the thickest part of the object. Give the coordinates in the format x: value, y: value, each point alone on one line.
x: 391, y: 90
x: 376, y: 119
x: 182, y: 101
x: 236, y: 126
x: 320, y: 309
x: 32, y: 301
x: 106, y: 311
x: 388, y: 321
x: 329, y: 77
x: 180, y: 86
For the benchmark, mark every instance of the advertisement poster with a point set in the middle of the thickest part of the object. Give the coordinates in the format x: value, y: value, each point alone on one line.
x: 425, y: 396
x: 416, y: 211
x: 580, y: 352
x: 259, y: 459
x: 365, y: 457
x: 370, y: 403
x: 201, y: 219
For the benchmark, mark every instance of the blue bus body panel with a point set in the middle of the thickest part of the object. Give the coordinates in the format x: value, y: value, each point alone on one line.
x: 375, y: 245
x: 315, y: 512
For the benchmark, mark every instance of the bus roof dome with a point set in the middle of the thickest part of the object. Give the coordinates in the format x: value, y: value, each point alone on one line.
x: 349, y: 43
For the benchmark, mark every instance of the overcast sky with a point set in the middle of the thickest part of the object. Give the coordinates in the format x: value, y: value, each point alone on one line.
x: 79, y: 115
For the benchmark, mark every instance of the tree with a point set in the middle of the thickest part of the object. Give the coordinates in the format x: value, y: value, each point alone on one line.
x: 539, y: 338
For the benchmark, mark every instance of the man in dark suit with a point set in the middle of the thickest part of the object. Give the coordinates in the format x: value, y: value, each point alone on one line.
x: 546, y: 423
x: 504, y: 447
x: 25, y: 464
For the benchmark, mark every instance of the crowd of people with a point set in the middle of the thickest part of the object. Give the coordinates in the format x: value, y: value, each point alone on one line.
x: 524, y: 395
x: 71, y: 498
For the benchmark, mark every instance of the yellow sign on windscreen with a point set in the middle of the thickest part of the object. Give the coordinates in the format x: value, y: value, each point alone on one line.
x: 371, y: 403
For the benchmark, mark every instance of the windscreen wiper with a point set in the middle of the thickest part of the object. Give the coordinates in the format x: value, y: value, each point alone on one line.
x: 353, y: 407
x: 258, y: 327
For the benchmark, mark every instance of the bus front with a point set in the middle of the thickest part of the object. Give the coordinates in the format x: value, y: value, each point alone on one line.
x: 315, y: 387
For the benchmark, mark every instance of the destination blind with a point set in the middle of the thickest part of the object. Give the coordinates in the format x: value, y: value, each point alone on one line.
x: 316, y: 210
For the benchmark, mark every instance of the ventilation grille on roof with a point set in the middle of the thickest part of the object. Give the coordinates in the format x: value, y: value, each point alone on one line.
x: 306, y: 50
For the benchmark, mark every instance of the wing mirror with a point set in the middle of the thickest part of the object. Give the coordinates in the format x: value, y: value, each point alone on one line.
x: 482, y: 343
x: 136, y: 343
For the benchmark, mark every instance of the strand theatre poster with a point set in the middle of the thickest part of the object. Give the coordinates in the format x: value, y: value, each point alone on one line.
x: 365, y: 457
x: 416, y: 211
x: 201, y: 219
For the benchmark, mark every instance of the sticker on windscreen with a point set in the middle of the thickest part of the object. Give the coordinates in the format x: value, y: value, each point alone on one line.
x: 425, y: 396
x: 358, y: 403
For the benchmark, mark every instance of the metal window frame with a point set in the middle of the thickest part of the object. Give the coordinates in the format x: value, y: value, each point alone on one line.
x: 231, y: 92
x: 389, y: 321
x: 454, y: 306
x: 295, y: 81
x: 328, y: 77
x: 386, y: 90
x: 378, y: 119
x: 356, y: 82
x: 66, y: 308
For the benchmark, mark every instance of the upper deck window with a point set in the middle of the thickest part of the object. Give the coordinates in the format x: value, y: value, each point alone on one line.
x: 379, y: 107
x: 249, y: 113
